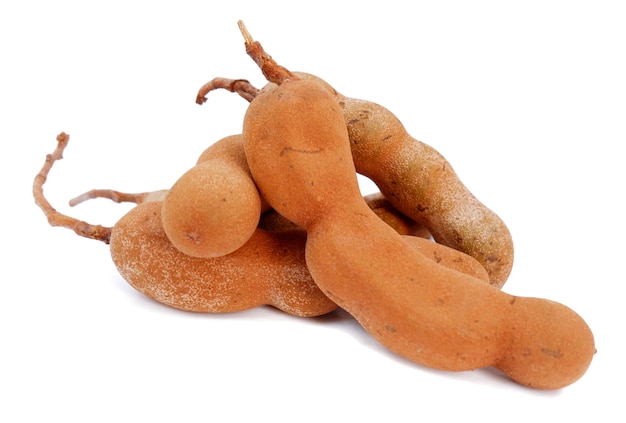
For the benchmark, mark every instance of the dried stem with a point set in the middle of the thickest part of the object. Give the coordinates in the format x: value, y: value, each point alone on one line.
x: 240, y: 86
x: 119, y: 197
x: 272, y: 71
x: 97, y: 232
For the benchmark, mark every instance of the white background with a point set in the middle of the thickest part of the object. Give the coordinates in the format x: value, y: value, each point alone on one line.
x: 525, y: 99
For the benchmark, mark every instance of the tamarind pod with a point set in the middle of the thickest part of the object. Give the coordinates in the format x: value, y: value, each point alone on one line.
x: 215, y: 206
x: 298, y: 150
x: 267, y: 270
x: 211, y: 210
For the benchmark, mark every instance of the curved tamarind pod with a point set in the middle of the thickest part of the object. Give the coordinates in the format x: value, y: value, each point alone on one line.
x: 415, y: 307
x: 298, y: 149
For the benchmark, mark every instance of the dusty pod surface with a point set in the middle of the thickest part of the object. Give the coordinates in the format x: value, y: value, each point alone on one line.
x: 269, y: 269
x: 230, y: 150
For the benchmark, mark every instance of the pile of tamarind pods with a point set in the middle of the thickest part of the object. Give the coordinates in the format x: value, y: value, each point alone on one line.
x: 274, y: 216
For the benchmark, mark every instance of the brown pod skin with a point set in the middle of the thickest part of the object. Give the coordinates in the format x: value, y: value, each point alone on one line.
x: 298, y: 149
x: 230, y: 150
x: 448, y: 257
x: 418, y: 181
x: 212, y: 209
x: 267, y: 270
x: 392, y: 217
x: 215, y: 206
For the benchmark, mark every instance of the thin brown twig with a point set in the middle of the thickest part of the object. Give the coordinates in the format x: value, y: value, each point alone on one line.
x: 118, y: 196
x: 272, y: 71
x: 240, y: 86
x: 97, y: 232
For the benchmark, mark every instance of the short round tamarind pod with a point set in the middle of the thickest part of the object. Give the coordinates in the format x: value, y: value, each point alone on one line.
x: 212, y: 209
x: 269, y: 269
x: 299, y: 152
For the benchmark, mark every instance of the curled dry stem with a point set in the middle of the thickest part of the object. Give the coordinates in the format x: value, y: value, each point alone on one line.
x: 97, y: 232
x: 272, y: 71
x: 240, y: 86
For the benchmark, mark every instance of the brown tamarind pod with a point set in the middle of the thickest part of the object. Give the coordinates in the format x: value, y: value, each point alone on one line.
x: 269, y: 269
x: 299, y: 152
